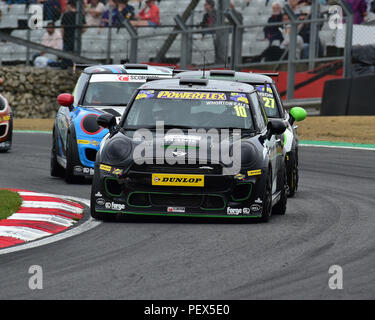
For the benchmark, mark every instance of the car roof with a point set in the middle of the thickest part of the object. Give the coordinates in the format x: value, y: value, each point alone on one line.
x: 128, y: 69
x: 230, y: 75
x: 197, y: 84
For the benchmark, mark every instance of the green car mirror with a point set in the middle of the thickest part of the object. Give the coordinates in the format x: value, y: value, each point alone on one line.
x: 298, y: 113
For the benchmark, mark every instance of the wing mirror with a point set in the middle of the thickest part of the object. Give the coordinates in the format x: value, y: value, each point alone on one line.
x: 107, y: 121
x: 297, y: 114
x: 275, y: 127
x: 65, y: 100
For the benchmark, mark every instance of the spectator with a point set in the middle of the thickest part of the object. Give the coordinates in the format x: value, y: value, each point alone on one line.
x: 359, y: 8
x: 126, y: 10
x: 63, y: 5
x: 272, y: 33
x: 51, y: 38
x: 69, y: 28
x: 295, y: 5
x: 286, y: 33
x: 148, y: 16
x: 51, y: 9
x: 238, y: 6
x: 279, y: 52
x: 93, y: 12
x: 209, y: 18
x: 106, y: 18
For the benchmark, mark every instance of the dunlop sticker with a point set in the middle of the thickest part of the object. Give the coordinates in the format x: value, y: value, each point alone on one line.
x: 181, y: 180
x: 105, y: 168
x: 254, y: 172
x: 83, y: 142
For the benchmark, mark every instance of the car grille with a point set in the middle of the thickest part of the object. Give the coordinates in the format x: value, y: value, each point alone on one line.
x: 2, y: 129
x: 90, y: 154
x: 178, y: 200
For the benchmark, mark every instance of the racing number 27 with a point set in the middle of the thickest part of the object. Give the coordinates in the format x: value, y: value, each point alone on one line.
x: 269, y: 103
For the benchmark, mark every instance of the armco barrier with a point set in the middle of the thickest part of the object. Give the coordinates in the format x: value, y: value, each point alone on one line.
x: 354, y: 96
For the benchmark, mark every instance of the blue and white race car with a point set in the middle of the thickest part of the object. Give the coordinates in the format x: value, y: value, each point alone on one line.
x: 100, y: 89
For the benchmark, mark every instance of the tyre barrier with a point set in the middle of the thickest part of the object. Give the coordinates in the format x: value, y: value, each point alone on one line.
x: 352, y: 96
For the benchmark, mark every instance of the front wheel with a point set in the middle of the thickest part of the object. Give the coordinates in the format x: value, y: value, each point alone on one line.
x: 267, y: 198
x: 293, y: 174
x: 280, y: 207
x: 56, y: 170
x: 71, y: 154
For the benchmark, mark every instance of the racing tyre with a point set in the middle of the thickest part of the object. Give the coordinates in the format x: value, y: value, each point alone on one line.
x: 56, y: 170
x: 293, y: 174
x: 71, y: 154
x: 267, y: 198
x: 280, y: 207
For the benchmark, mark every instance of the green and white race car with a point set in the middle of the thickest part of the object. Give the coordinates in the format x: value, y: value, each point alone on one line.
x: 274, y: 108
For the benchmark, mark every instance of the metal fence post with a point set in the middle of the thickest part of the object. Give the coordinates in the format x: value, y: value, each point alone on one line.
x: 348, y: 39
x: 78, y: 27
x: 237, y: 32
x: 314, y: 35
x: 291, y: 52
x: 133, y: 41
x: 185, y: 57
x: 222, y: 36
x: 28, y: 36
x: 109, y: 40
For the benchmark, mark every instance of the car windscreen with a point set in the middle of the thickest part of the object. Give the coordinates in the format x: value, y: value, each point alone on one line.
x: 192, y: 109
x: 267, y: 96
x: 112, y: 89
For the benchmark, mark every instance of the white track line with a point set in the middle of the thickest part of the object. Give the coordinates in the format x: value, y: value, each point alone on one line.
x: 335, y: 147
x: 23, y: 233
x: 50, y: 205
x: 42, y: 217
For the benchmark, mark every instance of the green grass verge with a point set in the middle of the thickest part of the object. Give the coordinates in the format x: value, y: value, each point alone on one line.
x: 10, y: 202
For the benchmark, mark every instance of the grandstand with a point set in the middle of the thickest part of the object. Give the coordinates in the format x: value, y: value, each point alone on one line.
x: 95, y: 45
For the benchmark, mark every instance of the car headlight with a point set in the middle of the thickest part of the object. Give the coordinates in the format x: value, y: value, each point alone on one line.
x: 116, y: 150
x: 89, y: 124
x: 247, y: 157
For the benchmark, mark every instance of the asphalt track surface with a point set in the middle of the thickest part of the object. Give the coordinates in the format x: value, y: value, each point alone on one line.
x: 331, y: 221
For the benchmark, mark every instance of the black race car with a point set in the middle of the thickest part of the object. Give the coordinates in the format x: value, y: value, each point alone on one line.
x: 191, y: 147
x: 273, y: 106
